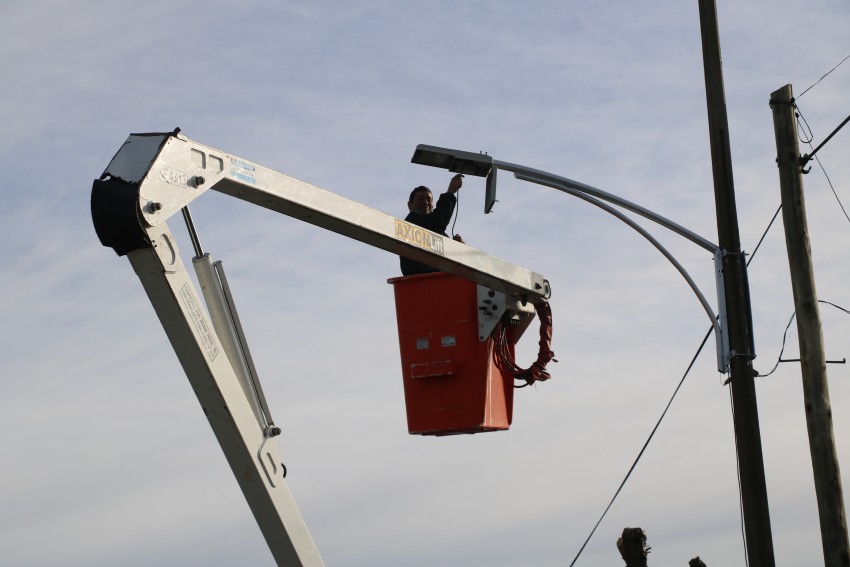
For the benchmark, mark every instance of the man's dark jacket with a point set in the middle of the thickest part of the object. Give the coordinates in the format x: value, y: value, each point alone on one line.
x: 435, y: 221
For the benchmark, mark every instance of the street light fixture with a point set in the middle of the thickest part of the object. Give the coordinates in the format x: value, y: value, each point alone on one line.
x: 457, y: 161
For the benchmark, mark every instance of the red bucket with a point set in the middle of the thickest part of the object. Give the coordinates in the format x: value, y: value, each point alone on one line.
x: 451, y: 382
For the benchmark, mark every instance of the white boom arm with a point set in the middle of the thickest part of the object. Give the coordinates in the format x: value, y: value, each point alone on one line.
x: 153, y: 177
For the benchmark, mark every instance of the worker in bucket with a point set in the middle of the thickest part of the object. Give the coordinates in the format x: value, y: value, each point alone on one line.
x: 436, y: 219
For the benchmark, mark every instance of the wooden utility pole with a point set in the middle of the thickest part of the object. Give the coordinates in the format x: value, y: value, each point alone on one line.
x: 833, y: 524
x: 739, y: 327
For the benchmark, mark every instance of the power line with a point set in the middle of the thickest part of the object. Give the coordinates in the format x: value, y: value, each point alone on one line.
x: 785, y: 336
x: 645, y: 445
x: 766, y: 230
x: 805, y: 159
x: 782, y: 350
x: 823, y: 169
x: 740, y: 485
x: 829, y: 181
x: 824, y: 76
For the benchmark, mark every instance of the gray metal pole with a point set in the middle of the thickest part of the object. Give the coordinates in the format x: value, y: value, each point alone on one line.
x: 833, y: 523
x: 746, y: 423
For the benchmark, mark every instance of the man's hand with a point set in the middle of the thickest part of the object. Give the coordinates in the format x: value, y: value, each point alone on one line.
x: 455, y: 183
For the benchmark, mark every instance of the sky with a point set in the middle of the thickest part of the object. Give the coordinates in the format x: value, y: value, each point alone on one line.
x: 107, y: 456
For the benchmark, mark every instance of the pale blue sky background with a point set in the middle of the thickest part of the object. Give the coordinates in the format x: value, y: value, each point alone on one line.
x: 107, y: 458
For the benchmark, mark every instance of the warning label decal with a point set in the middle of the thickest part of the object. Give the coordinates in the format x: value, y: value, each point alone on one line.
x: 205, y: 335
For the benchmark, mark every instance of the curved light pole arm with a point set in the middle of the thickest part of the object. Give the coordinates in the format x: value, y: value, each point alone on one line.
x: 558, y: 182
x: 549, y: 180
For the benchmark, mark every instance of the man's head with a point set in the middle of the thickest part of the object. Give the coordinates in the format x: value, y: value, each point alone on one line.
x: 421, y: 200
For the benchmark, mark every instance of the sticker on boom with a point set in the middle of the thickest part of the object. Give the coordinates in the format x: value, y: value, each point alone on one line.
x: 418, y: 236
x: 243, y: 171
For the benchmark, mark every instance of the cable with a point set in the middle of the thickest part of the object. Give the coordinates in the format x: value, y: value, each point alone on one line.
x: 805, y: 159
x: 740, y: 484
x: 834, y: 305
x: 831, y: 186
x: 770, y: 224
x: 457, y: 212
x: 503, y: 354
x: 782, y: 350
x: 785, y: 335
x: 646, y: 444
x: 457, y: 207
x: 809, y: 142
x: 822, y: 78
x: 801, y: 123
